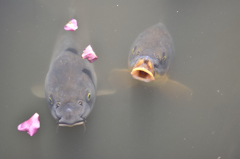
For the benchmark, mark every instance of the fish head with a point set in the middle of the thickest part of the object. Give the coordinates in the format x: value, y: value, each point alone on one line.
x: 71, y: 108
x: 70, y: 93
x: 151, y: 53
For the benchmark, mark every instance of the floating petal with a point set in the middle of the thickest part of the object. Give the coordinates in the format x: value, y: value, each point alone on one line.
x: 71, y: 25
x: 89, y: 54
x: 31, y: 126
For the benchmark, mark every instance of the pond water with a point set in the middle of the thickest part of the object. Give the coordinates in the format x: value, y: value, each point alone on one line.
x: 138, y: 122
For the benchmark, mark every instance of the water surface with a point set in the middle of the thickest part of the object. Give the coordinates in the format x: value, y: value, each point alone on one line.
x: 138, y: 122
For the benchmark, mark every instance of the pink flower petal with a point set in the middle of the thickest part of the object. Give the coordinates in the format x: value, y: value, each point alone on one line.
x: 71, y: 25
x: 31, y: 126
x: 89, y: 54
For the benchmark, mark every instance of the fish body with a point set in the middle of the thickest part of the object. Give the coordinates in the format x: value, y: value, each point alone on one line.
x: 151, y: 54
x: 70, y: 84
x: 149, y: 60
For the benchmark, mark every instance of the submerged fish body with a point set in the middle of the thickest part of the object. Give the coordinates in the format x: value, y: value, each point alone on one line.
x: 151, y: 53
x: 70, y: 84
x: 148, y: 62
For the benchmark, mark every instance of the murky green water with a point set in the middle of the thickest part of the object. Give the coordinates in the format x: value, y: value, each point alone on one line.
x: 138, y: 122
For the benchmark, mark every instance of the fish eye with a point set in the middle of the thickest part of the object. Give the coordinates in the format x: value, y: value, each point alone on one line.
x: 80, y: 102
x: 50, y: 100
x: 164, y: 58
x: 88, y: 97
x: 133, y: 50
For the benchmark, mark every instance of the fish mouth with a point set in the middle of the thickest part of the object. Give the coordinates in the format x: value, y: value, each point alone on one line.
x: 71, y: 125
x: 143, y: 71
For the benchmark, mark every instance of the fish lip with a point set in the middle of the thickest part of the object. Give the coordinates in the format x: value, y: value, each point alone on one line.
x: 82, y: 122
x: 143, y: 70
x: 71, y: 125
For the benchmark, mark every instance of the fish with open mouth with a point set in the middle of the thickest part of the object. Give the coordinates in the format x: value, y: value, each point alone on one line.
x: 149, y: 60
x: 71, y: 82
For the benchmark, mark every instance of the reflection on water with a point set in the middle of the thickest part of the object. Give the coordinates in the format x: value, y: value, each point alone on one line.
x: 137, y: 122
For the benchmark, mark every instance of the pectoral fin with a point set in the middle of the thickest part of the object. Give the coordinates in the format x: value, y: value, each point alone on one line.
x: 175, y: 90
x: 121, y: 79
x: 38, y: 90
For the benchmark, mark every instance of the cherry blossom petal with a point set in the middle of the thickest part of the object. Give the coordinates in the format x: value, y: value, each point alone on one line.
x: 71, y: 25
x: 89, y: 54
x: 31, y: 125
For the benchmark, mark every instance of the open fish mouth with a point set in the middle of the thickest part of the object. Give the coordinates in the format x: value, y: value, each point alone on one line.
x: 143, y: 71
x: 68, y: 125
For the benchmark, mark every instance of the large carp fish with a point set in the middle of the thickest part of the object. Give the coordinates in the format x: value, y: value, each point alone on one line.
x: 71, y: 82
x: 149, y: 60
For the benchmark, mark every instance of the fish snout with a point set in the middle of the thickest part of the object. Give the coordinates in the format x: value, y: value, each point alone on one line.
x: 70, y: 115
x: 143, y: 70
